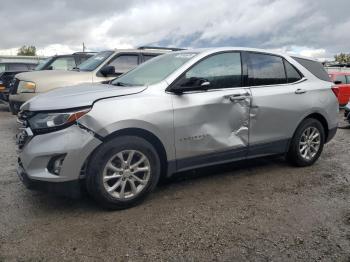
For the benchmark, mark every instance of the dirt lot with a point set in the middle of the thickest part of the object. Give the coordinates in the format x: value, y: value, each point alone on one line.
x: 259, y: 210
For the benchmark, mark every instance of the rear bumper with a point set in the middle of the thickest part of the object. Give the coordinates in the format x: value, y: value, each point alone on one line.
x: 71, y: 189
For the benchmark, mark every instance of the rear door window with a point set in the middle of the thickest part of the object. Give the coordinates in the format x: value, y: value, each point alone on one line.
x: 314, y: 67
x: 124, y: 63
x: 265, y: 69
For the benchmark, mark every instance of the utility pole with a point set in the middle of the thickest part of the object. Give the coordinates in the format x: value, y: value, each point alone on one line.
x: 83, y: 47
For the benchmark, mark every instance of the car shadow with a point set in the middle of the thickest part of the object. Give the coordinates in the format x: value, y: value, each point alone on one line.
x: 47, y: 201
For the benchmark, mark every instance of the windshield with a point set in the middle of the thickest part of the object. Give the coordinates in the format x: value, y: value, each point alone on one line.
x: 93, y: 62
x: 43, y: 64
x: 154, y: 70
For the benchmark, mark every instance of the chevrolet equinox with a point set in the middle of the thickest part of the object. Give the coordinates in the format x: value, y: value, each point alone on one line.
x: 178, y: 111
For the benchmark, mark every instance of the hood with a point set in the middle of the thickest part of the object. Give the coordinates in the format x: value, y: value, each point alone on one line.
x: 51, y: 79
x: 77, y: 96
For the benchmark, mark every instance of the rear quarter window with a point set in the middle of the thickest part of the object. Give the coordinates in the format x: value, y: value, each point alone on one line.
x: 314, y: 67
x: 265, y: 69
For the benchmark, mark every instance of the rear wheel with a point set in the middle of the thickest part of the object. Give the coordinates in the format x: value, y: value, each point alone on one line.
x: 122, y: 172
x: 307, y: 143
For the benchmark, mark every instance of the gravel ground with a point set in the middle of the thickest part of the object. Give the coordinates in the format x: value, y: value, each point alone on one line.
x: 256, y: 210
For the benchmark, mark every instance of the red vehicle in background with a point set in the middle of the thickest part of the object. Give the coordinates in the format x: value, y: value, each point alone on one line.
x: 342, y: 86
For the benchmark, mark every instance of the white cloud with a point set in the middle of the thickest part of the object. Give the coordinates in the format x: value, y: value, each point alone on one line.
x: 60, y: 26
x: 314, y: 53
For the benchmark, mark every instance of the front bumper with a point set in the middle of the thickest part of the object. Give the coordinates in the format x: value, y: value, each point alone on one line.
x: 36, y: 152
x: 70, y: 189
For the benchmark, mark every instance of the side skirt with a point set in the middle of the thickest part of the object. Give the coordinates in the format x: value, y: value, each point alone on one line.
x: 216, y: 158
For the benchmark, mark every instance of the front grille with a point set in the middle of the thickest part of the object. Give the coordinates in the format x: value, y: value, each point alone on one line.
x: 14, y: 86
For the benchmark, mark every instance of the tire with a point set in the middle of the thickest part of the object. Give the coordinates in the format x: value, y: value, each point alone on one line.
x: 106, y: 163
x: 301, y: 158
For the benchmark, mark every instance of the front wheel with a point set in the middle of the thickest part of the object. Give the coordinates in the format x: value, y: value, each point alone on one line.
x: 122, y: 172
x: 307, y: 143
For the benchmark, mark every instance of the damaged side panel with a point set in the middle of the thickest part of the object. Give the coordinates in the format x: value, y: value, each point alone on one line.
x: 211, y: 121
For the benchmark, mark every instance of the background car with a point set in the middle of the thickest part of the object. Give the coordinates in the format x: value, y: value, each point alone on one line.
x: 57, y: 62
x: 7, y: 72
x: 102, y: 67
x: 342, y: 86
x: 347, y: 112
x: 64, y: 62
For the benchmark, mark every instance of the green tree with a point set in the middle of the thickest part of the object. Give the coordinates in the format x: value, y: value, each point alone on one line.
x: 342, y: 58
x: 27, y: 50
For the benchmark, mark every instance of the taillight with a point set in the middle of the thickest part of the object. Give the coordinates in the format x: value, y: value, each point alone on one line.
x: 335, y: 90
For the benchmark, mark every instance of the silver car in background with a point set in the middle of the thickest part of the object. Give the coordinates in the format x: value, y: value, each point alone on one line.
x: 178, y: 111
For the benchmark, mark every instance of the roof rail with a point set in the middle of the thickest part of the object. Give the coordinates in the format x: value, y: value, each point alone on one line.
x: 86, y: 52
x: 160, y: 48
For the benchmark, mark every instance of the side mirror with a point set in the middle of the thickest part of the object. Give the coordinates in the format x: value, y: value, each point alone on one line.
x: 191, y: 84
x: 337, y: 82
x: 108, y: 71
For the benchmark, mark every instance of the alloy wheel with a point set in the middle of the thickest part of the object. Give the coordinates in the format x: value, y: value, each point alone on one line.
x: 310, y: 142
x: 126, y: 174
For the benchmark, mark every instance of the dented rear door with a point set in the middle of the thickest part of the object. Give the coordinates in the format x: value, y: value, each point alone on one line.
x: 211, y: 126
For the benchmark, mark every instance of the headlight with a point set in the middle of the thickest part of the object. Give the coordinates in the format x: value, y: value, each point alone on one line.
x: 26, y: 87
x: 49, y: 122
x: 2, y: 86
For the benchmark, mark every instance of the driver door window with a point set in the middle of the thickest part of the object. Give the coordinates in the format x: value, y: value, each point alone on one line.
x: 221, y: 71
x: 124, y: 63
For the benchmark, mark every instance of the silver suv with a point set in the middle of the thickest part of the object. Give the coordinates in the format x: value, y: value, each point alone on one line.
x: 178, y: 111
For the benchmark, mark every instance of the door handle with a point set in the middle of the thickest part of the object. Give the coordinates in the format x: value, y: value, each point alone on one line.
x: 238, y: 97
x: 300, y: 91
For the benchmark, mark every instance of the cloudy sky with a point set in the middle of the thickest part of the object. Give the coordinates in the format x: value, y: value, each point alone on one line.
x: 317, y: 28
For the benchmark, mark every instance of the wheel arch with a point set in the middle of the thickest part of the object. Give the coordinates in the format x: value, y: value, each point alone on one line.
x: 319, y: 117
x: 148, y: 136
